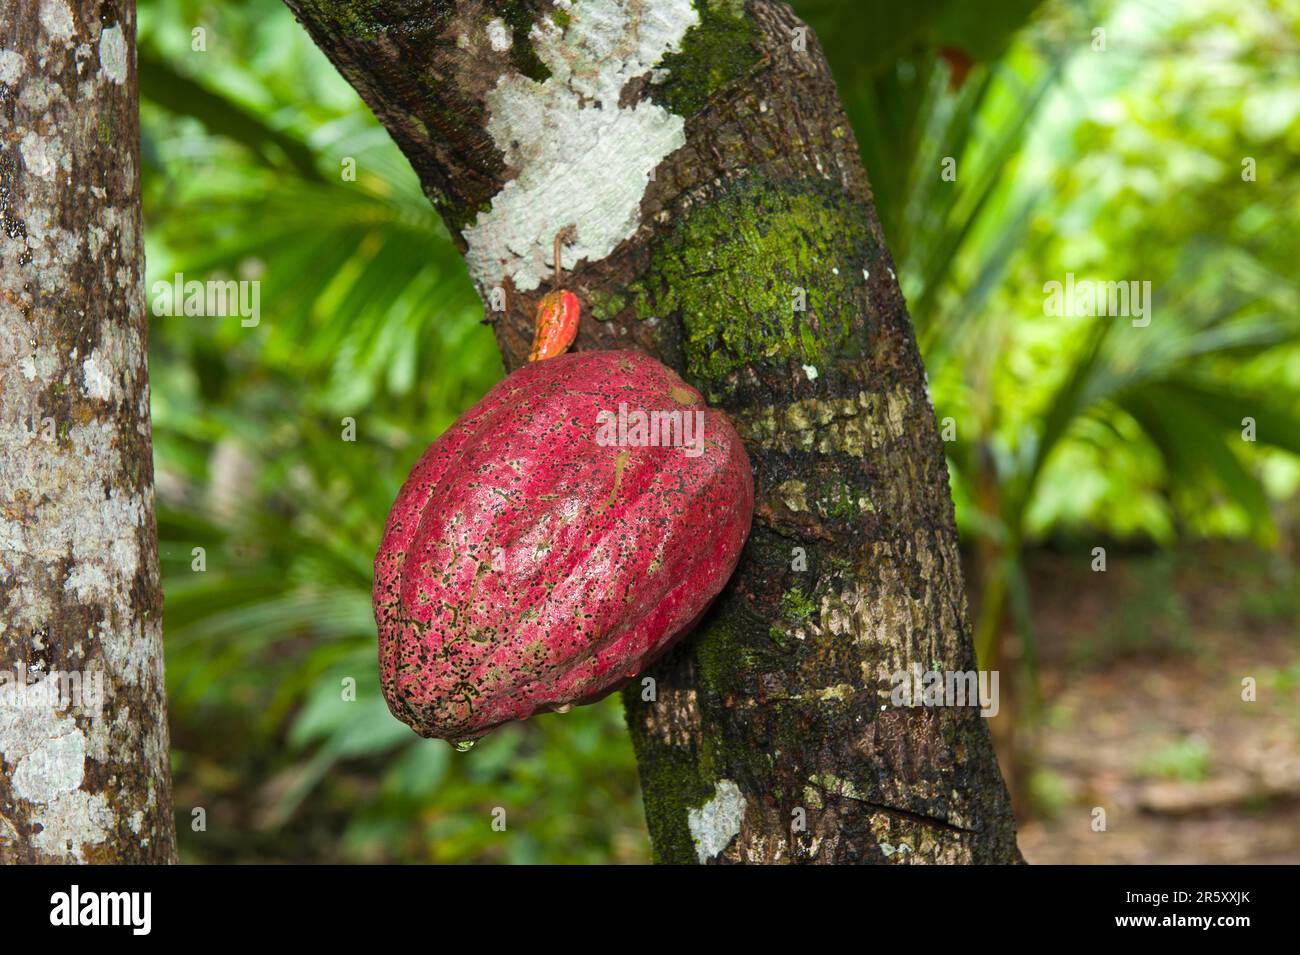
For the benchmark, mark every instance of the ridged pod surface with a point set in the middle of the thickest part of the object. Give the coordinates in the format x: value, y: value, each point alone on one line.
x: 530, y: 562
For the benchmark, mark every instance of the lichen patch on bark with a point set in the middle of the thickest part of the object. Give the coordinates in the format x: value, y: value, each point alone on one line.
x: 47, y: 752
x: 112, y: 54
x: 580, y: 157
x: 718, y: 821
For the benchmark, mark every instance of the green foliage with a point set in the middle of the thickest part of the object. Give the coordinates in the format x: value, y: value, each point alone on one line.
x: 867, y: 38
x: 1187, y: 759
x: 1050, y: 792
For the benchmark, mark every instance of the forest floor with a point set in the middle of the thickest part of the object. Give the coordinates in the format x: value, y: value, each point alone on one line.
x: 1143, y: 715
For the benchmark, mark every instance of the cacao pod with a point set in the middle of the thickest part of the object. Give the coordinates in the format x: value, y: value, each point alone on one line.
x: 551, y: 544
x: 557, y: 324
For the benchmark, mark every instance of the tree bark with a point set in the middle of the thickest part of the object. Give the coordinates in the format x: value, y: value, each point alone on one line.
x: 83, y: 728
x: 724, y: 223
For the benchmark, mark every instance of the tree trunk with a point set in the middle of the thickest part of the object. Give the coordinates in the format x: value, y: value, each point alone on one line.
x: 83, y: 727
x: 724, y: 224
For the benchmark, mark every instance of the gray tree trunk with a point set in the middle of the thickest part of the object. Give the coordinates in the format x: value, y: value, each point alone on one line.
x: 724, y: 224
x: 83, y: 727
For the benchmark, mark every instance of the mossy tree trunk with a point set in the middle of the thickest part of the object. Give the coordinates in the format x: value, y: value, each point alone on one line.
x: 724, y: 223
x: 83, y: 720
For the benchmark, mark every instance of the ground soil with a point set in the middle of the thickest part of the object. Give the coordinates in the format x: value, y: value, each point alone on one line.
x: 1142, y: 671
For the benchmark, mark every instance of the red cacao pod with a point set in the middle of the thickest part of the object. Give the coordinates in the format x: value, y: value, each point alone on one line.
x: 557, y: 324
x: 538, y: 557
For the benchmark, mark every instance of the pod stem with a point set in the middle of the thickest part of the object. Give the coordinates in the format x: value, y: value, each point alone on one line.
x: 559, y: 269
x: 567, y: 234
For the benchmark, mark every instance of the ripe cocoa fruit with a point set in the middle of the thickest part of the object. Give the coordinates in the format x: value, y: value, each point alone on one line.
x: 549, y: 545
x: 557, y: 325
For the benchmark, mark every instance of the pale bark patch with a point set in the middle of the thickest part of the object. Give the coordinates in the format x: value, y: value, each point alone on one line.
x: 112, y: 54
x: 580, y: 158
x: 12, y: 66
x: 48, y: 754
x: 717, y: 822
x: 56, y: 18
x: 499, y: 35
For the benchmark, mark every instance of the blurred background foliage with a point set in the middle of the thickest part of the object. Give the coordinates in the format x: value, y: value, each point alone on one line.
x: 1122, y: 163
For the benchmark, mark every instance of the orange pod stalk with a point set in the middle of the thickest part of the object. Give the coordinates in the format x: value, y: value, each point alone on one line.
x: 557, y: 324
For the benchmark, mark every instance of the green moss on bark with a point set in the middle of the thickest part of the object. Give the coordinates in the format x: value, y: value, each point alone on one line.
x: 719, y: 651
x: 605, y: 305
x: 352, y: 18
x: 366, y: 19
x: 519, y: 17
x: 736, y: 272
x: 796, y: 606
x: 718, y: 51
x: 671, y: 780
